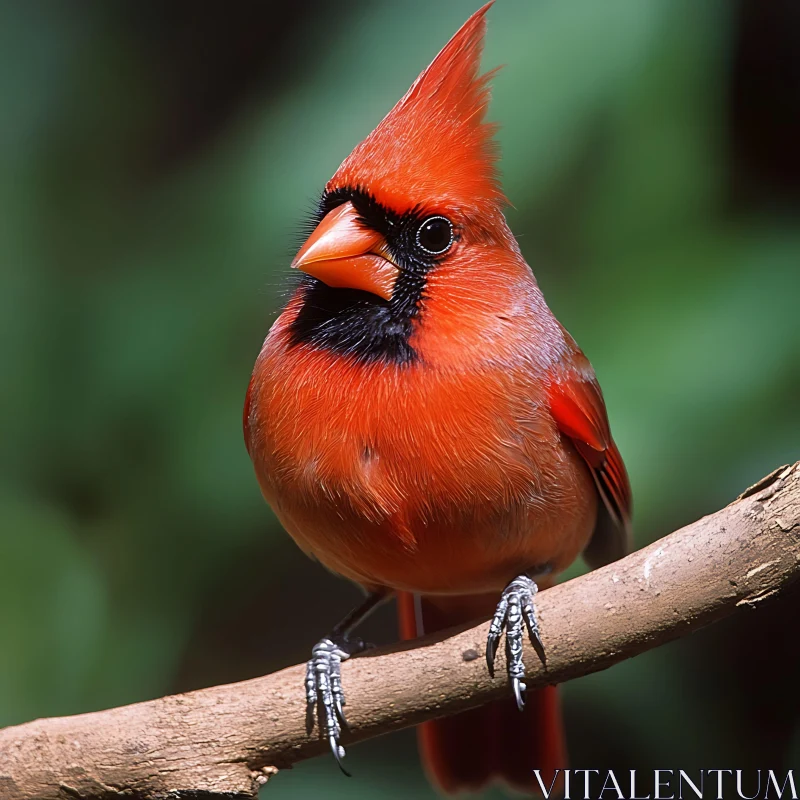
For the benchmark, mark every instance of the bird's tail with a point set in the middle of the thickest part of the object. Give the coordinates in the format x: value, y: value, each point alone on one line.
x: 496, y: 742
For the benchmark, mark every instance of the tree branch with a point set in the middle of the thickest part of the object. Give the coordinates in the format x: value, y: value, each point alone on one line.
x: 227, y: 740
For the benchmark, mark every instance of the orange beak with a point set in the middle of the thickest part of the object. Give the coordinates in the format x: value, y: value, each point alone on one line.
x: 343, y: 252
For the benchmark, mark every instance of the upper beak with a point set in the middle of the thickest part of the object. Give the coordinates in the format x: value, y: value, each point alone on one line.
x: 343, y: 252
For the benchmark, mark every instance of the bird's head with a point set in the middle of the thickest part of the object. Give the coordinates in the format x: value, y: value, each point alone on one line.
x: 415, y: 202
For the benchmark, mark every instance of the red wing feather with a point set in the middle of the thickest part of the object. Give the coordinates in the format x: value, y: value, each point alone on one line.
x: 580, y: 413
x: 579, y: 410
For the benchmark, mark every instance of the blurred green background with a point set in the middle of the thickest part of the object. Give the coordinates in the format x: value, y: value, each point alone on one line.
x: 155, y: 160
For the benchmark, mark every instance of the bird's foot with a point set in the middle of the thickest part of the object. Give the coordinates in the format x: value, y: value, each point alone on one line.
x: 514, y: 610
x: 324, y: 690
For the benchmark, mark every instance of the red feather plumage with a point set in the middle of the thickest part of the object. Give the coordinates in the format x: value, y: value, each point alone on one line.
x: 486, y: 455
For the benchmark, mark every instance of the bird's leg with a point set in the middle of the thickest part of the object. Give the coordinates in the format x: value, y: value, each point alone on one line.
x: 514, y: 611
x: 324, y: 677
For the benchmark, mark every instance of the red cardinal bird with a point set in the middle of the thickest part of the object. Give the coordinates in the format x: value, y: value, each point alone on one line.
x: 423, y: 425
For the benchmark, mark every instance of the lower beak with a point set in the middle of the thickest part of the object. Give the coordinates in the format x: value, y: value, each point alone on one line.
x: 342, y: 252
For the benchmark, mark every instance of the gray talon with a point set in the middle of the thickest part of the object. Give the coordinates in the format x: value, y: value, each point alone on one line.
x: 324, y: 693
x: 519, y: 688
x: 514, y: 614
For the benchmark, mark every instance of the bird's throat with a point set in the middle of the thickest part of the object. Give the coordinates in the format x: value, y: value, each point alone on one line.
x: 358, y: 324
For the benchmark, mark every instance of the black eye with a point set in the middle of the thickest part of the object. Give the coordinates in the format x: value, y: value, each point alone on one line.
x: 435, y: 235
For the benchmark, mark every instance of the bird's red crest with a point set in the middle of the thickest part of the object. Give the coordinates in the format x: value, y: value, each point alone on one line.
x: 434, y: 145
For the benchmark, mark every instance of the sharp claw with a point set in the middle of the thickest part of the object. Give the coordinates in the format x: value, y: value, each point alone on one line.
x: 539, y: 647
x: 338, y: 754
x: 495, y: 631
x: 519, y: 688
x: 324, y: 696
x: 532, y: 625
x: 340, y: 714
x: 516, y: 605
x: 491, y: 652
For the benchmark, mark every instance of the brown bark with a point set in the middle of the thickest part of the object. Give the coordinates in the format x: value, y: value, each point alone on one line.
x: 227, y: 740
